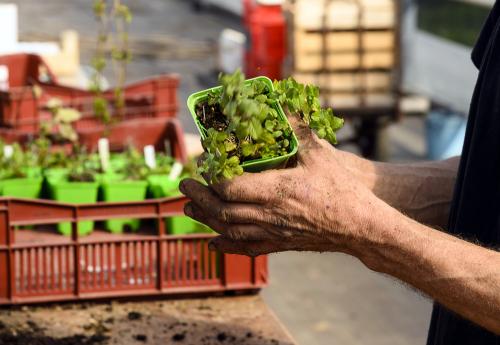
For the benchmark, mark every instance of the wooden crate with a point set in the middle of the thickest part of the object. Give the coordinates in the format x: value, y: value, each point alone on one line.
x: 347, y: 101
x: 312, y: 42
x: 349, y: 48
x: 344, y: 61
x: 348, y: 82
x: 344, y: 14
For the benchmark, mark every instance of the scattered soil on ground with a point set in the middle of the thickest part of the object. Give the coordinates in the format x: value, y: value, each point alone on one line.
x: 212, y: 321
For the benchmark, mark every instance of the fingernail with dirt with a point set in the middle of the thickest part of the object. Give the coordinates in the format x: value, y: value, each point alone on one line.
x: 188, y: 210
x: 182, y: 187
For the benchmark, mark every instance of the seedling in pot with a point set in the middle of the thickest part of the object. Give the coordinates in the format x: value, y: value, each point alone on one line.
x: 129, y: 184
x: 20, y: 177
x: 244, y: 127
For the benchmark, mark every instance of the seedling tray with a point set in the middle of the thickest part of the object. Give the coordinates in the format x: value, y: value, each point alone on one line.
x: 257, y: 164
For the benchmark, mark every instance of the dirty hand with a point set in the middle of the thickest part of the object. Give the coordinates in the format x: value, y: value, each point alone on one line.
x: 316, y: 205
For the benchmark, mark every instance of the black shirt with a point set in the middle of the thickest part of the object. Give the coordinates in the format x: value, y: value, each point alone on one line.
x: 475, y: 210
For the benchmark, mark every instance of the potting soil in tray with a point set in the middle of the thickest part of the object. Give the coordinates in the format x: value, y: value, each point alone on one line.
x: 160, y: 186
x: 21, y: 187
x: 117, y: 191
x: 75, y: 193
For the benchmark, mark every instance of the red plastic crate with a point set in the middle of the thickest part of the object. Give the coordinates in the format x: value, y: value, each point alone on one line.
x: 107, y: 266
x: 144, y: 132
x: 21, y: 109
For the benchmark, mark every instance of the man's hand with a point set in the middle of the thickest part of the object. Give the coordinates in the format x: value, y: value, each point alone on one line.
x: 324, y: 204
x: 316, y: 205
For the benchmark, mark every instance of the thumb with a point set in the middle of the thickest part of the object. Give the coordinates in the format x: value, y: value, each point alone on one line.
x: 308, y: 140
x: 300, y: 128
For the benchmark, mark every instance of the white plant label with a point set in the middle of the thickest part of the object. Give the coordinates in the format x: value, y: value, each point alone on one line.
x: 103, y: 147
x: 4, y: 78
x: 8, y: 151
x: 150, y: 156
x: 176, y: 171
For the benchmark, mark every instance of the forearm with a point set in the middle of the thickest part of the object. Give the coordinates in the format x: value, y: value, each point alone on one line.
x: 422, y: 191
x: 462, y: 276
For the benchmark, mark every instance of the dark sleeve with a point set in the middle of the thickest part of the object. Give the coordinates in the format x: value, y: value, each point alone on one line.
x: 484, y: 38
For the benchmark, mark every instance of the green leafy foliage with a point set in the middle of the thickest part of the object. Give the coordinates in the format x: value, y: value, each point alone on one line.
x: 135, y: 167
x: 112, y: 44
x: 62, y: 121
x: 81, y: 166
x: 243, y: 123
x: 303, y: 100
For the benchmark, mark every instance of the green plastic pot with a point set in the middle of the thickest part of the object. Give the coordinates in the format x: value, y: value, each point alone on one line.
x: 53, y: 176
x: 75, y: 193
x: 123, y: 190
x: 257, y: 164
x: 33, y: 172
x: 29, y: 187
x: 160, y: 186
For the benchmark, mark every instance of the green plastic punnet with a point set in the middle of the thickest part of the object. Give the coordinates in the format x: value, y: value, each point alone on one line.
x: 257, y: 164
x: 52, y: 177
x: 122, y: 190
x: 160, y: 186
x: 75, y: 193
x: 21, y: 187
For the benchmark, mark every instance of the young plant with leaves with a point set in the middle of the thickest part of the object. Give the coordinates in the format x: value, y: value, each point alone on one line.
x: 135, y: 167
x: 81, y: 167
x: 112, y: 43
x: 60, y: 126
x: 243, y: 124
x: 15, y: 165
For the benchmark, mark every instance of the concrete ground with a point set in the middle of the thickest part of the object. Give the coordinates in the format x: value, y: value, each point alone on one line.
x: 323, y: 299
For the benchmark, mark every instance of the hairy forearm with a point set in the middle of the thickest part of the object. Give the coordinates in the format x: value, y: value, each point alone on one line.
x: 462, y: 276
x: 422, y: 191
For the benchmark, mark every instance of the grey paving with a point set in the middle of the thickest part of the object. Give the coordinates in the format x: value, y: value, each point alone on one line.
x: 323, y: 299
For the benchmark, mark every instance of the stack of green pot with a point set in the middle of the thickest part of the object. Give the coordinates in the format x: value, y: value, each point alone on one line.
x: 19, y: 174
x: 73, y: 180
x: 162, y: 184
x: 125, y: 181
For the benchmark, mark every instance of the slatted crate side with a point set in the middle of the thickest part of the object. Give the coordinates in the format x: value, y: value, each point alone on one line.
x: 306, y: 43
x: 47, y: 269
x: 348, y: 82
x: 342, y: 101
x: 43, y: 270
x: 344, y: 61
x: 118, y: 265
x: 342, y: 15
x: 189, y: 263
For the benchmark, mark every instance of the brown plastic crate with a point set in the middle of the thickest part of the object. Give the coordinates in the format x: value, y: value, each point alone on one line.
x: 110, y: 266
x: 22, y: 109
x: 140, y: 132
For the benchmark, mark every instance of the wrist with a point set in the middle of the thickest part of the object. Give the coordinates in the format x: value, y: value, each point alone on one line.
x: 380, y: 238
x: 360, y: 168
